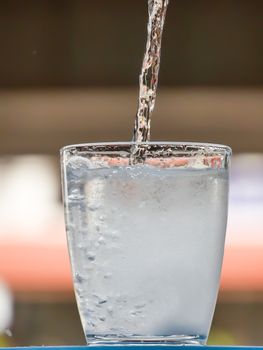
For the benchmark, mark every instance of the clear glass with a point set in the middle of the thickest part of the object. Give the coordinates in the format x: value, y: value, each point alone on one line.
x: 146, y: 240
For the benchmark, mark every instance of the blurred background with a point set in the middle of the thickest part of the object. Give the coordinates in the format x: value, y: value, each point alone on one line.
x: 69, y: 74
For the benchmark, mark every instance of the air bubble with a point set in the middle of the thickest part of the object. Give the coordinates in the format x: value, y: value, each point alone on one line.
x: 140, y: 306
x: 136, y: 312
x: 91, y: 256
x: 114, y: 235
x: 110, y: 309
x: 101, y: 240
x: 100, y: 300
x: 142, y: 204
x: 93, y: 207
x: 108, y: 275
x: 78, y: 278
x: 102, y: 218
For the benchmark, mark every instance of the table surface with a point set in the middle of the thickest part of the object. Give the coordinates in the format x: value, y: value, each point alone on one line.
x: 135, y: 347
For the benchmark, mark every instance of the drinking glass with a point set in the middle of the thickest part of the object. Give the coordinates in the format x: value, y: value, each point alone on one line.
x: 146, y: 238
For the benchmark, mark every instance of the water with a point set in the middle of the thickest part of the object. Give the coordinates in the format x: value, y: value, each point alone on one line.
x: 146, y: 248
x: 150, y: 69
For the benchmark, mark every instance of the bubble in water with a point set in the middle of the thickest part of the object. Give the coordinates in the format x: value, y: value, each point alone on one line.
x: 75, y: 195
x: 136, y: 312
x: 102, y: 218
x: 79, y: 292
x: 80, y: 246
x: 91, y: 256
x: 142, y: 204
x: 93, y: 207
x: 114, y: 235
x: 101, y: 240
x: 140, y: 306
x: 90, y: 323
x: 108, y: 275
x: 74, y: 166
x: 78, y: 278
x: 89, y: 267
x: 110, y: 310
x: 90, y: 311
x: 121, y: 299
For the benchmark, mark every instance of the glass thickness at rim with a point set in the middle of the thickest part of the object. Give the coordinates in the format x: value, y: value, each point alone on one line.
x: 160, y: 154
x: 96, y: 146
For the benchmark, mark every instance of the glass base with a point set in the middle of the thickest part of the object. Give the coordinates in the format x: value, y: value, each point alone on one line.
x: 145, y: 340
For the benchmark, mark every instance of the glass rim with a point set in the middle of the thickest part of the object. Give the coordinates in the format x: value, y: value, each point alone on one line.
x: 213, y: 147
